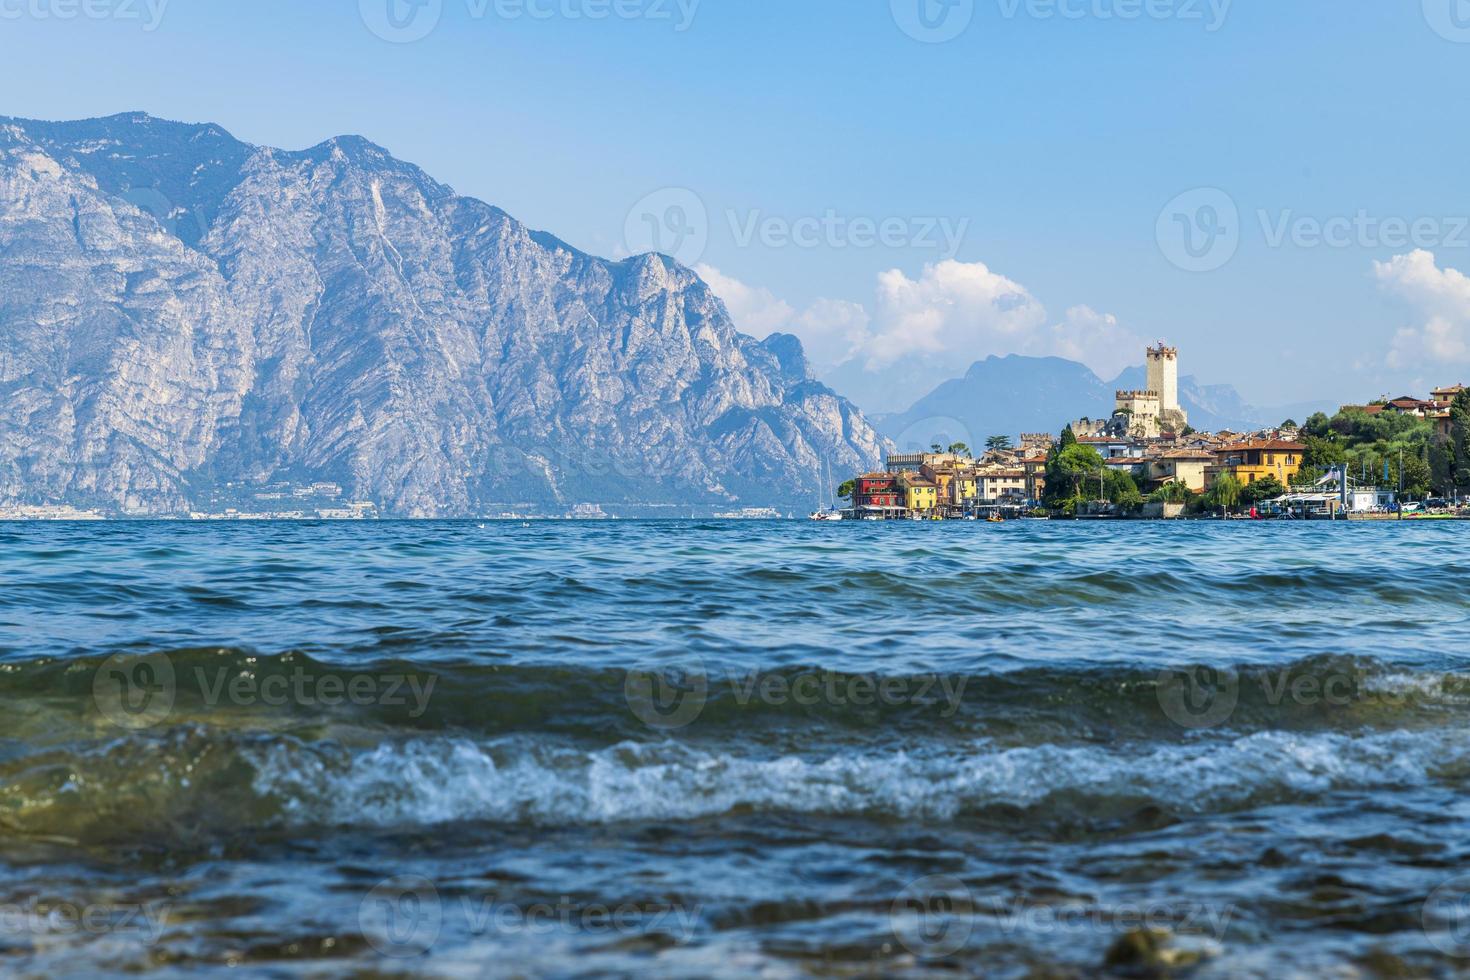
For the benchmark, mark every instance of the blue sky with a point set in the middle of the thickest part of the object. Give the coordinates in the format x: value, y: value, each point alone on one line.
x: 1052, y: 133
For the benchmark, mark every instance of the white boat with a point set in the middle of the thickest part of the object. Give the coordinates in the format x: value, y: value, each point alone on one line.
x: 830, y: 512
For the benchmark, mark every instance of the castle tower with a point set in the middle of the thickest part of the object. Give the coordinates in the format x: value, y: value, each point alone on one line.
x: 1163, y: 375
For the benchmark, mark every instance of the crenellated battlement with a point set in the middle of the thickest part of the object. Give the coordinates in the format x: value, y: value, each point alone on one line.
x: 1136, y: 395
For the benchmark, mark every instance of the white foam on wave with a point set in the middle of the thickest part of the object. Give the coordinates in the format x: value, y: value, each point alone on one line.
x: 440, y: 780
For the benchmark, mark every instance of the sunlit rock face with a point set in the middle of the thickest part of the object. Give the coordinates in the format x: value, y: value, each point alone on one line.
x: 181, y: 311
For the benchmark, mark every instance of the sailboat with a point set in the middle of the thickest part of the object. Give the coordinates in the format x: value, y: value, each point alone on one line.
x: 830, y: 512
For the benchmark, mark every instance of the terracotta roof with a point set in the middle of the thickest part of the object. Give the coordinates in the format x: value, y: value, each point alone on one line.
x: 1279, y: 445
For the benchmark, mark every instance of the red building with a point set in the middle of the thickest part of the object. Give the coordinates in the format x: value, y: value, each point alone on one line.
x: 877, y: 495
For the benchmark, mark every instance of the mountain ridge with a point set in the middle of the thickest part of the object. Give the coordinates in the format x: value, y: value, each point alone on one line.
x: 182, y: 311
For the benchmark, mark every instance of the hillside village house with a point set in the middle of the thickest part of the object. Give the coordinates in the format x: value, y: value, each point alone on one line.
x: 1256, y: 460
x: 1186, y: 466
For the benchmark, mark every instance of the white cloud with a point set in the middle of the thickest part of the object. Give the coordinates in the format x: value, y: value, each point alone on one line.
x: 953, y: 308
x: 1441, y: 297
x: 831, y: 330
x: 1097, y: 340
x: 755, y: 310
x: 953, y: 313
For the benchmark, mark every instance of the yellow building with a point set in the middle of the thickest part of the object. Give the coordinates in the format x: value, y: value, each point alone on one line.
x: 1186, y: 466
x: 920, y: 495
x: 1252, y: 461
x: 964, y: 487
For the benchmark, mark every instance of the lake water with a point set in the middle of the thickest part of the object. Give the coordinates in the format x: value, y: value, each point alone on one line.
x: 704, y: 748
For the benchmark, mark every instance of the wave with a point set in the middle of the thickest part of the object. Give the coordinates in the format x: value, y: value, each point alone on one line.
x: 49, y: 702
x: 145, y: 787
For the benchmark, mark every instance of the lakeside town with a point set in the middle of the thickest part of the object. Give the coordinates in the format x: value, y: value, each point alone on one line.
x: 1395, y: 458
x: 1402, y: 457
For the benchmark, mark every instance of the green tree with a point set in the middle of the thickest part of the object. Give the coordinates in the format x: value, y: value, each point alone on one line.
x: 1261, y: 491
x: 845, y: 491
x: 1120, y: 489
x: 1290, y: 424
x: 959, y: 449
x: 1225, y: 494
x: 1173, y: 492
x: 1318, y: 424
x: 1459, y: 441
x: 1067, y: 470
x: 1322, y: 453
x: 1416, y: 477
x: 998, y: 442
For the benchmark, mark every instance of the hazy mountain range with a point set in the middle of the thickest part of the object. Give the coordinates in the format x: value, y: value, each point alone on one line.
x: 1014, y: 394
x: 182, y: 311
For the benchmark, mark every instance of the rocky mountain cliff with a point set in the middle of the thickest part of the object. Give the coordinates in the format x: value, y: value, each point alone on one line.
x: 181, y: 311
